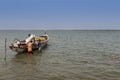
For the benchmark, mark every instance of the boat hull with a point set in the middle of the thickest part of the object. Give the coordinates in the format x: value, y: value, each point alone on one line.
x: 22, y: 46
x: 16, y: 49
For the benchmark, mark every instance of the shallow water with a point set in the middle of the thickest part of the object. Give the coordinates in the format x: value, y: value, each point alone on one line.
x: 70, y: 55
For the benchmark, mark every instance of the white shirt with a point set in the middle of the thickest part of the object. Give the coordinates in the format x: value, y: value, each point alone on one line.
x: 46, y: 36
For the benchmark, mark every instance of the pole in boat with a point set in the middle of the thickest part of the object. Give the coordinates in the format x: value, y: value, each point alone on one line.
x: 5, y: 48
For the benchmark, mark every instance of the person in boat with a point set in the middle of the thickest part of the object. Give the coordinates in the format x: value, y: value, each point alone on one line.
x: 46, y: 36
x: 29, y: 47
x: 29, y: 35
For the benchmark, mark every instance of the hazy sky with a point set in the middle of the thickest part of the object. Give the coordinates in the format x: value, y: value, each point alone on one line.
x: 59, y: 14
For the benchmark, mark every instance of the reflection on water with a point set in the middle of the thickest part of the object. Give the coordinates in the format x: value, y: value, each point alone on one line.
x: 24, y: 58
x: 22, y: 66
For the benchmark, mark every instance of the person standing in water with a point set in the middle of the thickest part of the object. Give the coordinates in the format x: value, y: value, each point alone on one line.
x: 39, y: 45
x: 29, y: 47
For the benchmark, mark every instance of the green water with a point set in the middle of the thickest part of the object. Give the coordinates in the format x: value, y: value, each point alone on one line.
x: 70, y: 55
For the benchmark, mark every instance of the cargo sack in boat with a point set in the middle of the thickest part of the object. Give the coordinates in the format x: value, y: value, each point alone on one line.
x: 40, y: 38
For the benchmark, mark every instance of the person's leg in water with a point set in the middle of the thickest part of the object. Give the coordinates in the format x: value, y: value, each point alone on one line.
x: 30, y: 52
x: 39, y: 45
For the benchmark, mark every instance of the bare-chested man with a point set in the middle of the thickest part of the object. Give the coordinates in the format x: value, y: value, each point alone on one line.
x: 29, y: 47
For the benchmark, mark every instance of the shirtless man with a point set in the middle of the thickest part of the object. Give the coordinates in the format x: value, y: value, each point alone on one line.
x: 29, y: 47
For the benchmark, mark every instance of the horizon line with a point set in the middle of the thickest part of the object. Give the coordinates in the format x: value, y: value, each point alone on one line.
x: 69, y: 29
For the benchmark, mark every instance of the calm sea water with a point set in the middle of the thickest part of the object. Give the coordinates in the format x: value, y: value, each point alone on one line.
x: 70, y: 55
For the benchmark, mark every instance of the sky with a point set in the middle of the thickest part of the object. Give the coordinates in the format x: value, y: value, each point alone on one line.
x: 60, y: 14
